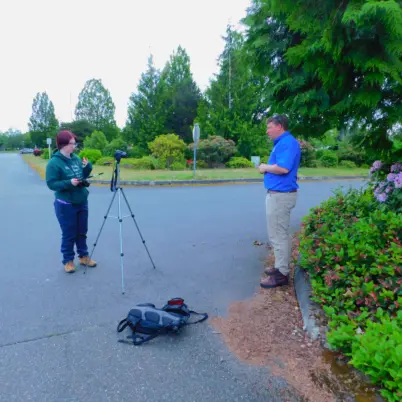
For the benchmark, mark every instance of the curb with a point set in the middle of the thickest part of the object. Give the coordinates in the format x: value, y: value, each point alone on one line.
x: 303, y: 292
x: 41, y: 172
x: 220, y: 181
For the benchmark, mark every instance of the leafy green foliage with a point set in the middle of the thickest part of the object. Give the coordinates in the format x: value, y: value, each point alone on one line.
x: 96, y: 106
x: 215, y: 150
x: 91, y: 154
x: 97, y: 140
x: 378, y: 353
x: 178, y: 166
x: 114, y: 145
x: 42, y: 123
x: 338, y: 65
x: 168, y: 148
x: 308, y: 154
x: 144, y: 163
x: 232, y: 104
x: 352, y: 250
x: 329, y: 158
x: 146, y: 115
x: 45, y: 154
x: 239, y: 162
x: 180, y: 95
x: 347, y: 164
x: 81, y: 128
x: 105, y: 160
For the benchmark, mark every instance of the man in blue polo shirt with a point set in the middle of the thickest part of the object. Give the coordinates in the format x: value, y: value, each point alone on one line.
x: 280, y: 180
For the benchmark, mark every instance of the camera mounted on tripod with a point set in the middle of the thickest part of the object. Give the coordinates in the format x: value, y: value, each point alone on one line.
x: 119, y: 154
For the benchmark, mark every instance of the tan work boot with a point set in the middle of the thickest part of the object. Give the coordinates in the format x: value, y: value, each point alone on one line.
x: 69, y: 267
x: 87, y: 261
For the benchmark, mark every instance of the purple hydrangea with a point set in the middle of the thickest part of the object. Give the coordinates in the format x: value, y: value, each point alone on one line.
x: 376, y: 166
x: 381, y: 197
x: 398, y: 180
x: 396, y: 168
x: 391, y: 177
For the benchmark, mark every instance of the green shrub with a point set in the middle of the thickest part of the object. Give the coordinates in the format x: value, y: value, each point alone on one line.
x: 200, y: 164
x: 378, y: 353
x: 308, y: 154
x: 215, y: 150
x: 167, y: 148
x: 329, y: 158
x: 91, y: 154
x: 136, y: 152
x: 347, y: 164
x: 352, y: 250
x: 177, y: 166
x: 97, y: 140
x: 105, y: 160
x: 239, y: 162
x: 144, y: 163
x: 45, y: 154
x: 113, y: 146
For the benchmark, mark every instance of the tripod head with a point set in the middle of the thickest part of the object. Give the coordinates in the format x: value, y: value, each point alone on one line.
x: 119, y: 154
x: 115, y: 182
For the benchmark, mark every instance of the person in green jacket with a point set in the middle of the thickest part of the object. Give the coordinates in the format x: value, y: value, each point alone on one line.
x: 64, y: 174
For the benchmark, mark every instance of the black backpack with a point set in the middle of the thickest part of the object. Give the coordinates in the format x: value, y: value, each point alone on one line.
x: 150, y: 321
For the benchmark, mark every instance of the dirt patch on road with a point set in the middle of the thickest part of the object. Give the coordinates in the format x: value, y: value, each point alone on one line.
x: 268, y: 331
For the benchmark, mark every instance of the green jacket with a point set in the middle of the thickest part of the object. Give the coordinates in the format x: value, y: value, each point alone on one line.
x: 59, y: 172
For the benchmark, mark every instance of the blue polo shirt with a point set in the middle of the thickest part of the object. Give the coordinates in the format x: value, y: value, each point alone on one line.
x: 286, y: 154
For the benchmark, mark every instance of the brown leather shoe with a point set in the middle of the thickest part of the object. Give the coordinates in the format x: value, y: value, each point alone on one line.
x: 87, y: 261
x: 69, y: 267
x: 274, y: 280
x: 270, y: 270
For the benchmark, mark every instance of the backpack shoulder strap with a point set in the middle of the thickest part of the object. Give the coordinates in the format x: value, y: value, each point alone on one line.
x: 123, y: 324
x: 204, y: 317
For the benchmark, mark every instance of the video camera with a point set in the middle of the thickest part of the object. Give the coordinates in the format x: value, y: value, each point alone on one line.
x: 119, y: 154
x: 84, y: 183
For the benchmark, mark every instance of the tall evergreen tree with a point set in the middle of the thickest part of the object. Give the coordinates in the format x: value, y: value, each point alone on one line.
x: 42, y: 123
x: 81, y: 128
x: 340, y: 65
x: 146, y: 115
x: 96, y: 106
x: 180, y: 94
x: 234, y: 102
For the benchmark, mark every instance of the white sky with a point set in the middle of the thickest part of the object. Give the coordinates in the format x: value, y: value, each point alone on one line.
x: 56, y: 46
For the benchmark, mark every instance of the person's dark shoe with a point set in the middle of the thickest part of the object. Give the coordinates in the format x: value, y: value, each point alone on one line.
x: 87, y: 261
x: 270, y: 270
x: 275, y: 280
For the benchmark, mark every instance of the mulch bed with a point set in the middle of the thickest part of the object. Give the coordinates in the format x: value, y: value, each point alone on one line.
x: 267, y: 330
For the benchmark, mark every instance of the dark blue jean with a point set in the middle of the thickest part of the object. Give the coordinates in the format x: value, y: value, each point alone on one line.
x: 73, y: 220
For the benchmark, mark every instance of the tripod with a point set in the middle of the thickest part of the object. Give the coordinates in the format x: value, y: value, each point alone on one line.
x: 116, y: 189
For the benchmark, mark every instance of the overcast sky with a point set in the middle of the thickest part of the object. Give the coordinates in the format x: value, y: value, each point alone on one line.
x: 56, y: 46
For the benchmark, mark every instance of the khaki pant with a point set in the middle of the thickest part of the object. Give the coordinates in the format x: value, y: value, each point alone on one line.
x: 278, y: 208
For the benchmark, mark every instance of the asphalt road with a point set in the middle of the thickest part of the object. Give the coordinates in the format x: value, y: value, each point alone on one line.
x: 58, y: 339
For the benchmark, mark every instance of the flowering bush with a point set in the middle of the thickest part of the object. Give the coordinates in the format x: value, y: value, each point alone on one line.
x: 215, y: 150
x: 387, y: 184
x: 308, y: 154
x: 352, y: 249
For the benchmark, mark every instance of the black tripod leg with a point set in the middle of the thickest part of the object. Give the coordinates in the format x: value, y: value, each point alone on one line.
x: 103, y: 224
x: 132, y: 215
